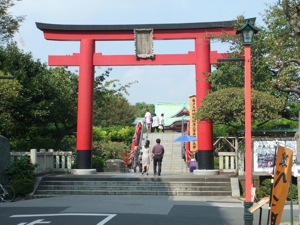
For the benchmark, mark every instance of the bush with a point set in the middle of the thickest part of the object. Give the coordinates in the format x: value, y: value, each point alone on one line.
x: 216, y: 163
x: 97, y: 163
x: 265, y: 190
x: 21, y: 175
x: 114, y: 134
x: 109, y: 150
x: 22, y: 186
x: 21, y: 168
x: 294, y: 195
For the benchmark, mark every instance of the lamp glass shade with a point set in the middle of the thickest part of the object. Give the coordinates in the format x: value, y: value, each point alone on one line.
x: 248, y: 36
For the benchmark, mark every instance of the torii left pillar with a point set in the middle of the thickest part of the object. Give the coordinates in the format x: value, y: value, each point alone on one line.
x: 85, y: 104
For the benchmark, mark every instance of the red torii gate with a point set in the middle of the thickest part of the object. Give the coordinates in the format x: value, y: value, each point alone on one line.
x: 202, y: 57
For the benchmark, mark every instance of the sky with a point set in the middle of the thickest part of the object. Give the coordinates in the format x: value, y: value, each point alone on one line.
x: 154, y: 83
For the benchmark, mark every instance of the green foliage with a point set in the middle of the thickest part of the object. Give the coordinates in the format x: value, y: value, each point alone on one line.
x: 293, y: 194
x: 109, y: 150
x: 9, y: 23
x: 277, y: 123
x: 22, y: 186
x: 39, y: 107
x: 110, y: 143
x: 114, y: 134
x: 282, y: 30
x: 141, y: 109
x: 275, y: 57
x: 220, y: 130
x: 22, y: 168
x: 97, y: 162
x: 265, y: 190
x: 216, y: 163
x: 292, y: 109
x: 21, y: 175
x: 9, y: 91
x: 227, y: 107
x: 99, y: 134
x: 111, y: 108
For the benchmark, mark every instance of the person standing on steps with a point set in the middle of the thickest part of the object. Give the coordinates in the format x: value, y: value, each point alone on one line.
x: 158, y: 154
x: 136, y: 159
x: 155, y: 123
x: 148, y: 121
x: 162, y: 123
x: 146, y: 157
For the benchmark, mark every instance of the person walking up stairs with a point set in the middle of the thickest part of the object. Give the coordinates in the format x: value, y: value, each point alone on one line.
x: 158, y: 155
x: 172, y: 161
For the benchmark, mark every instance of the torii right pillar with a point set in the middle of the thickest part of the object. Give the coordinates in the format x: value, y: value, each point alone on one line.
x: 204, y: 127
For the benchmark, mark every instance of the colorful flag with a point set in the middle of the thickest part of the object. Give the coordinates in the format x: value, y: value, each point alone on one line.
x: 281, y: 184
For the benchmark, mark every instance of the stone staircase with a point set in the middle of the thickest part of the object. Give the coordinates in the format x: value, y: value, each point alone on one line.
x: 175, y: 179
x: 172, y: 161
x: 127, y: 184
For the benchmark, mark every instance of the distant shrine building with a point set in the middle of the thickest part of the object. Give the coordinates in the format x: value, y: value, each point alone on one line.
x: 176, y: 114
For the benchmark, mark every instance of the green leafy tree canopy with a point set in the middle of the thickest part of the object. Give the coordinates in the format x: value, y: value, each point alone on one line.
x: 227, y: 107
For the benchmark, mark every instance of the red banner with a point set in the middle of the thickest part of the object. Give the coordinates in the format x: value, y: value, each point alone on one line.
x: 281, y: 184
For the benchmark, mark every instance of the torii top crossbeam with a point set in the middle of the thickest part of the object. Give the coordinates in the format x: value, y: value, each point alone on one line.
x: 125, y: 32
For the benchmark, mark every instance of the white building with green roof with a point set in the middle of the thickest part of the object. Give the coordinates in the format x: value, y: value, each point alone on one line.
x: 175, y: 115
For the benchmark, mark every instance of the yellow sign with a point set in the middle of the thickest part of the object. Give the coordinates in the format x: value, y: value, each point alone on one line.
x: 281, y: 184
x: 193, y: 123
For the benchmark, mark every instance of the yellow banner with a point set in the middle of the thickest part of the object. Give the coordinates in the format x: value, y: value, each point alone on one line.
x: 193, y: 122
x: 281, y: 184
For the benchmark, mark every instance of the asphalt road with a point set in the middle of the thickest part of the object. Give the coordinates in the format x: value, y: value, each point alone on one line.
x: 131, y: 210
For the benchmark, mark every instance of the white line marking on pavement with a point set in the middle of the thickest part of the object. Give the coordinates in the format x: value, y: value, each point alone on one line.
x: 108, y: 216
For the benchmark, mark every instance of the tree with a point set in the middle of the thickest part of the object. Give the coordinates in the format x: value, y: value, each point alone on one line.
x: 141, y: 108
x: 275, y: 57
x: 44, y: 111
x: 23, y: 68
x: 61, y: 91
x: 116, y: 110
x: 110, y: 106
x: 9, y: 91
x: 227, y: 107
x: 283, y: 34
x: 231, y: 74
x: 9, y: 24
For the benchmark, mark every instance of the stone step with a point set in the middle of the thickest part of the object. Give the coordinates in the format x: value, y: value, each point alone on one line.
x: 133, y: 184
x: 172, y: 161
x: 98, y: 185
x: 127, y: 188
x: 54, y: 193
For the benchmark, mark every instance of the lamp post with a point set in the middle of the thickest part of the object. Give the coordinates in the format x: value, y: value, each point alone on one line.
x: 247, y: 32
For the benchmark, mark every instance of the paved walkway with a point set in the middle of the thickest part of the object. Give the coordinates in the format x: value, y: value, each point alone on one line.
x: 141, y: 205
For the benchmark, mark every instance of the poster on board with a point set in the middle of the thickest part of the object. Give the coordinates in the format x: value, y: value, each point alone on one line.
x: 264, y: 153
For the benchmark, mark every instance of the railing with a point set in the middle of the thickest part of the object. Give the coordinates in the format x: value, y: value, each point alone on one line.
x: 55, y: 161
x: 47, y: 161
x: 228, y: 162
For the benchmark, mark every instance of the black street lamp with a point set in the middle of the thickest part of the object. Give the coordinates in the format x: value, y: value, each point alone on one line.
x: 247, y: 32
